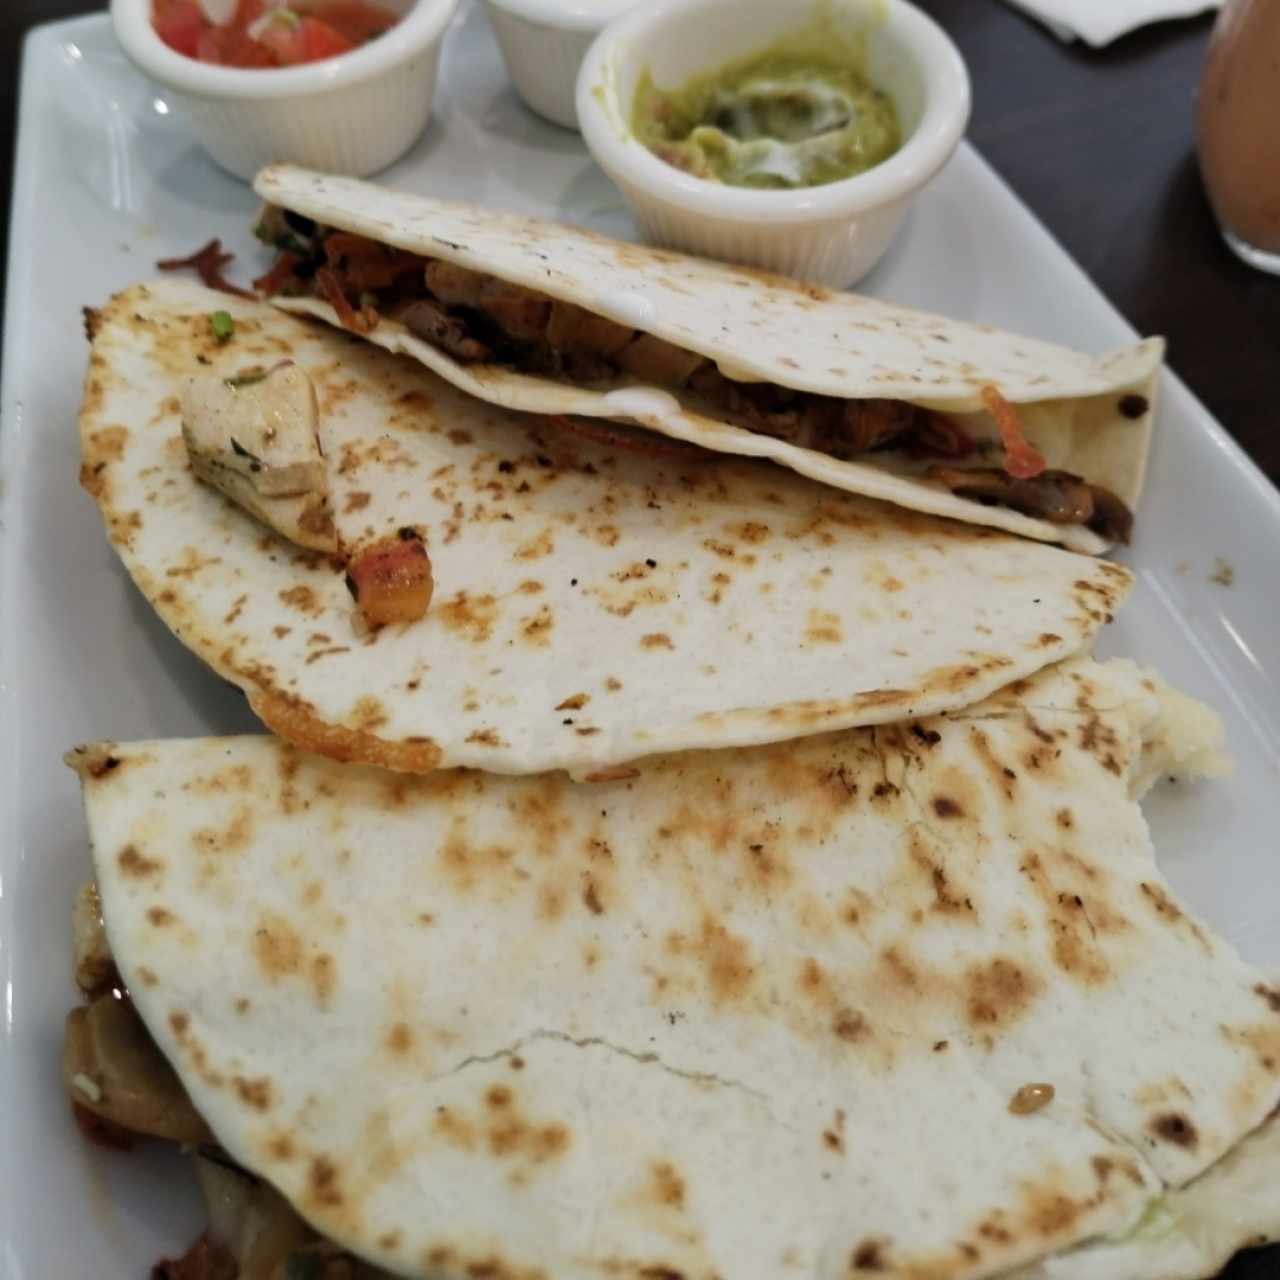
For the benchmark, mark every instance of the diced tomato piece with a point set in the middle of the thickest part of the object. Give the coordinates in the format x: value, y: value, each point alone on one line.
x: 248, y: 12
x: 330, y: 289
x: 306, y: 31
x: 179, y: 23
x: 355, y: 19
x: 295, y: 40
x: 274, y: 280
x: 392, y: 580
x: 320, y: 40
x: 229, y: 47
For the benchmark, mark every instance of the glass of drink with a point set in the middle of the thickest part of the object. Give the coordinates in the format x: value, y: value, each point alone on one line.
x: 1238, y: 129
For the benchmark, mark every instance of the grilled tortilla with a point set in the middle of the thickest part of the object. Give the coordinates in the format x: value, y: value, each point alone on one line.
x: 585, y: 605
x: 902, y: 1002
x: 926, y: 412
x: 1190, y: 1233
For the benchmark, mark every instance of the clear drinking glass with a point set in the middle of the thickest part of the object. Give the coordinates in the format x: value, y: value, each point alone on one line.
x: 1238, y: 129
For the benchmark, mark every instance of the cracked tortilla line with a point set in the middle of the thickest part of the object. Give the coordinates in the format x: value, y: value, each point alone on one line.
x: 596, y: 1042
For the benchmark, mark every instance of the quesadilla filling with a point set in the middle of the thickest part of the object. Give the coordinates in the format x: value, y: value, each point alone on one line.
x: 122, y: 1090
x: 255, y: 438
x: 391, y: 581
x: 478, y: 319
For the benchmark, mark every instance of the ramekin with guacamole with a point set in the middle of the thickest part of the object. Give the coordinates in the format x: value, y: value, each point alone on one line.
x: 787, y: 116
x: 790, y: 135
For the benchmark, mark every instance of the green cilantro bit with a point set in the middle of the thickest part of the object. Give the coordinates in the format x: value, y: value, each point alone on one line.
x: 223, y: 325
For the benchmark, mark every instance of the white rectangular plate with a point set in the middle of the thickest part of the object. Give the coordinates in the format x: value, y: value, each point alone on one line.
x: 108, y: 180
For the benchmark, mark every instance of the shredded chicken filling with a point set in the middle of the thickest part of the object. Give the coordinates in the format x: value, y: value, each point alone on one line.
x: 478, y: 319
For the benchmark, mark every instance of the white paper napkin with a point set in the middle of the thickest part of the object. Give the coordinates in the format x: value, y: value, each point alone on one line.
x: 1101, y: 21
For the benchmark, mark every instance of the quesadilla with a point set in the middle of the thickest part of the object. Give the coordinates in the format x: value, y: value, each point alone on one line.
x: 524, y: 599
x: 930, y: 413
x: 906, y: 1002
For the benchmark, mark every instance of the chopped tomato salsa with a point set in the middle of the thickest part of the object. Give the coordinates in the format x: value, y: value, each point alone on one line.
x: 270, y: 33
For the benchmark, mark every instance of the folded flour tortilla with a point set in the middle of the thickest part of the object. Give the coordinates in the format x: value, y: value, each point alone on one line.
x: 591, y: 604
x: 725, y: 357
x: 908, y: 1001
x: 1190, y: 1233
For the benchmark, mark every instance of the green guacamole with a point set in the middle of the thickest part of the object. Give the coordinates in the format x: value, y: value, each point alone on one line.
x: 792, y: 115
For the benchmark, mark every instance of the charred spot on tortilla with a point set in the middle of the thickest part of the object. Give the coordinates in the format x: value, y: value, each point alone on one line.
x: 1270, y: 994
x: 1175, y: 1128
x: 1134, y: 406
x: 136, y: 864
x: 870, y: 1256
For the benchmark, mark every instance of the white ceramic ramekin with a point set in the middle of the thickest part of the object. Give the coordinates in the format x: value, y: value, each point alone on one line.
x: 353, y: 114
x: 543, y: 43
x: 832, y: 234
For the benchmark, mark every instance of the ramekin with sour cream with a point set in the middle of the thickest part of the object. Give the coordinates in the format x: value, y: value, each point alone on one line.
x: 543, y: 43
x: 831, y: 234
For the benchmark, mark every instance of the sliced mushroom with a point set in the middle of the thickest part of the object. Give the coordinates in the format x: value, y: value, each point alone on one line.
x: 1111, y: 517
x: 254, y: 1227
x: 112, y: 1068
x: 255, y: 438
x: 1056, y: 496
x: 250, y: 1219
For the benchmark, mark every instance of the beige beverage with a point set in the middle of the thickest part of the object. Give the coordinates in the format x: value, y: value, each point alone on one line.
x: 1239, y: 128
